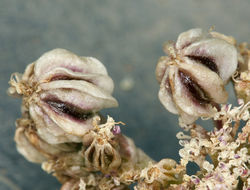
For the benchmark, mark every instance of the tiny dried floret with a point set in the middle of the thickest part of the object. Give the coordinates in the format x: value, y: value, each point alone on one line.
x: 105, y: 149
x: 162, y: 172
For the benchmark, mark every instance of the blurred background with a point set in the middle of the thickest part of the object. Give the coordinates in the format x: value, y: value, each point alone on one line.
x: 127, y: 36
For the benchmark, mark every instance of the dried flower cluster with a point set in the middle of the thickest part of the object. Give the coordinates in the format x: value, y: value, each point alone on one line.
x: 61, y: 127
x: 242, y: 78
x: 228, y: 151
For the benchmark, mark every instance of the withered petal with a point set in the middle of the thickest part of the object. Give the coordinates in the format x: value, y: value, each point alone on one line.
x: 188, y: 37
x: 184, y: 99
x: 100, y: 80
x: 161, y: 68
x: 65, y: 59
x: 165, y: 93
x: 222, y: 53
x: 210, y: 82
x: 25, y: 148
x: 48, y: 130
x: 68, y: 124
x: 102, y: 98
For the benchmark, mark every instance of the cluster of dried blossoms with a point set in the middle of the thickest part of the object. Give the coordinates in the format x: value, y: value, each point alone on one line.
x: 62, y: 129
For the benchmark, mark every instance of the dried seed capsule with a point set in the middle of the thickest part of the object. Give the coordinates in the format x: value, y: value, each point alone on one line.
x: 62, y: 92
x: 192, y: 77
x: 25, y: 148
x: 102, y: 156
x: 33, y: 148
x: 105, y: 149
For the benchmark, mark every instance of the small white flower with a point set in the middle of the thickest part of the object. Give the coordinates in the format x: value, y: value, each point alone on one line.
x: 207, y: 166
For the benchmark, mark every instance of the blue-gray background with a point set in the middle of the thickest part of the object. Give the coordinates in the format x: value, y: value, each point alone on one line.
x: 127, y: 36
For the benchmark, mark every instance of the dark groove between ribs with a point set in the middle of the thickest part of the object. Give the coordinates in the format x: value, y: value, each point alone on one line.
x: 208, y: 62
x: 61, y: 77
x: 71, y: 110
x: 65, y: 77
x: 196, y: 91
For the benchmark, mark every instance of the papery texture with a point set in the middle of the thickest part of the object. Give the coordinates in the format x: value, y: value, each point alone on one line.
x: 62, y: 92
x: 193, y: 75
x: 61, y: 127
x: 242, y: 78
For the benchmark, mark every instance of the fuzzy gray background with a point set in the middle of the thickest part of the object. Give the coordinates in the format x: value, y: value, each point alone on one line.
x: 127, y: 36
